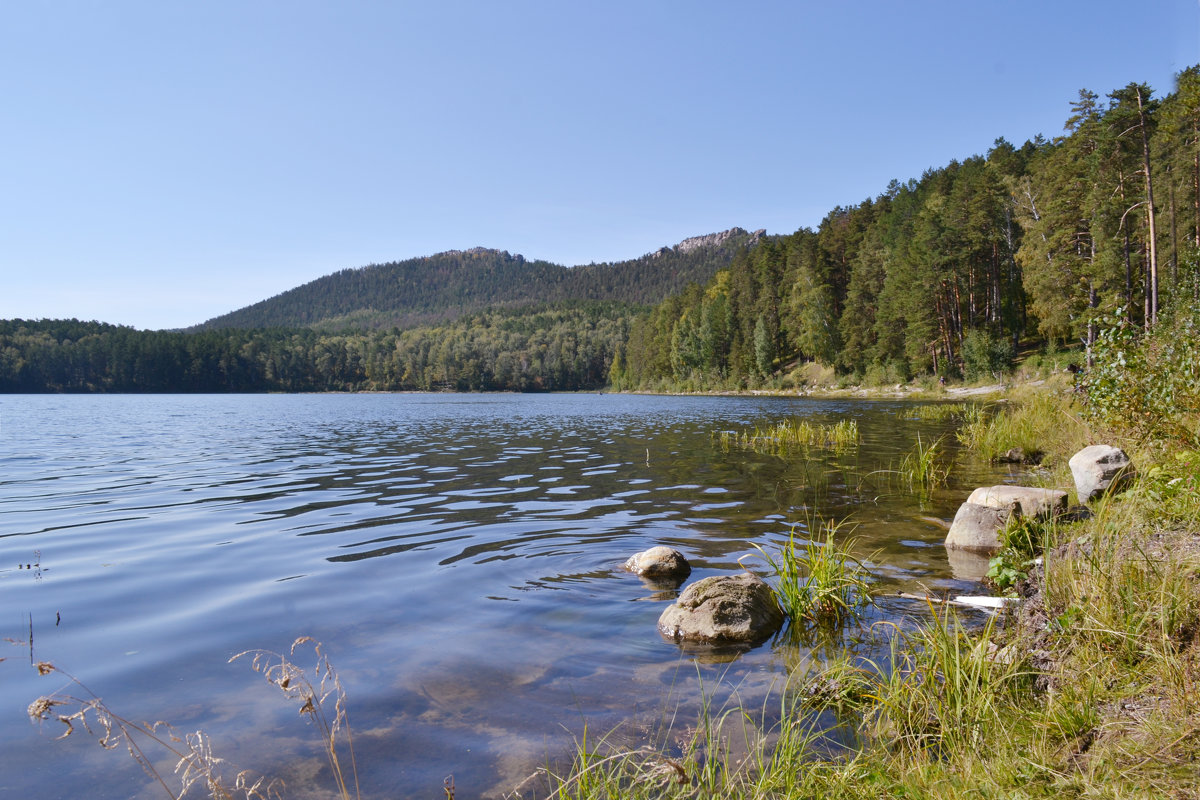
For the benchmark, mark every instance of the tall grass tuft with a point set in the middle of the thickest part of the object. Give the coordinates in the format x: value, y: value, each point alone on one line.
x: 921, y: 467
x: 793, y: 434
x: 817, y: 581
x: 1036, y: 422
x: 725, y: 752
x: 944, y: 689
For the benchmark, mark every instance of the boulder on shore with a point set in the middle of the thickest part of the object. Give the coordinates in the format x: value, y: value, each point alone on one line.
x: 659, y: 563
x: 1031, y: 501
x: 978, y: 523
x: 723, y: 609
x: 1099, y: 469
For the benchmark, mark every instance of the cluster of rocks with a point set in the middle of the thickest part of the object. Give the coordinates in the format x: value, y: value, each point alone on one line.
x: 718, y: 610
x: 742, y: 609
x: 1098, y: 470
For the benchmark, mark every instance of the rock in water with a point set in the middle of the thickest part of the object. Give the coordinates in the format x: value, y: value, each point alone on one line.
x: 978, y: 523
x: 659, y: 563
x: 1100, y: 468
x: 723, y: 609
x: 1018, y: 455
x: 977, y: 527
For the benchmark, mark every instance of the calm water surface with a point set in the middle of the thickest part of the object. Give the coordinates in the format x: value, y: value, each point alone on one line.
x: 458, y: 555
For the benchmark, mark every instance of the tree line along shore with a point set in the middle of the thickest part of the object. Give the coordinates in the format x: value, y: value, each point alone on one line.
x: 1035, y: 248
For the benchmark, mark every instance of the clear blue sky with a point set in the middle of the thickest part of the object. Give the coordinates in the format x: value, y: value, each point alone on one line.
x: 165, y: 162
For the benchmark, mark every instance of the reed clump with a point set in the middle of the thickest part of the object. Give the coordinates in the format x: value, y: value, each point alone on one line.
x: 938, y: 412
x: 817, y: 580
x: 793, y: 434
x: 922, y: 467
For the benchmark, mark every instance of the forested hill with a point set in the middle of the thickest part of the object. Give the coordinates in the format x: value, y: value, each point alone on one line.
x: 439, y: 288
x: 1048, y: 243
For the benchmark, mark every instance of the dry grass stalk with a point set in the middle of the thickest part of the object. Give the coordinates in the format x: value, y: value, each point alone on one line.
x: 296, y: 685
x: 195, y: 762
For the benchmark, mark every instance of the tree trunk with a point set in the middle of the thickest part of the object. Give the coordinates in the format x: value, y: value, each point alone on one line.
x: 1128, y: 277
x: 1174, y: 236
x: 1152, y: 289
x: 1196, y: 179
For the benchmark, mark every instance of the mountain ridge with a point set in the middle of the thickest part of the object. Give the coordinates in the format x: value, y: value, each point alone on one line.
x: 441, y: 287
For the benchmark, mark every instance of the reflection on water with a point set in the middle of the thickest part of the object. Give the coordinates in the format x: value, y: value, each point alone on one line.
x: 459, y: 556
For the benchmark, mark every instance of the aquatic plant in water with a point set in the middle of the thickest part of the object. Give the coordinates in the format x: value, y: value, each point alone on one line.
x: 817, y: 580
x: 938, y: 412
x: 793, y: 434
x: 921, y: 468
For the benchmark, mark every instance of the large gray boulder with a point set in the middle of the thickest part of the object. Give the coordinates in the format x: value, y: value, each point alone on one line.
x: 659, y: 564
x: 1099, y: 469
x: 1031, y: 502
x: 977, y: 527
x: 978, y: 523
x: 724, y: 609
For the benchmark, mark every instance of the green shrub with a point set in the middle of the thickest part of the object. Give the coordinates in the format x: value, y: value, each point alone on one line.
x: 1148, y: 383
x: 985, y: 354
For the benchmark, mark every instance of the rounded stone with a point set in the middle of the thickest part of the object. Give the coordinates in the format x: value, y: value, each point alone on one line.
x: 659, y: 563
x: 977, y: 527
x: 723, y: 609
x: 1099, y: 469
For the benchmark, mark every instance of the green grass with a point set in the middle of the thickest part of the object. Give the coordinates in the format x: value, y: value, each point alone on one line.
x: 818, y: 580
x: 793, y: 434
x: 942, y: 691
x: 922, y: 467
x: 1036, y: 422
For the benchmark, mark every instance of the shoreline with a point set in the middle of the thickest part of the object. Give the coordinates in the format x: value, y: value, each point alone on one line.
x: 1087, y: 689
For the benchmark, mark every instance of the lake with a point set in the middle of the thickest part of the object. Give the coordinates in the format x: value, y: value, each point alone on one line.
x: 459, y: 557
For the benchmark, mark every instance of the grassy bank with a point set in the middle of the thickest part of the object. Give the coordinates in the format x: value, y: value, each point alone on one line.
x: 1090, y: 689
